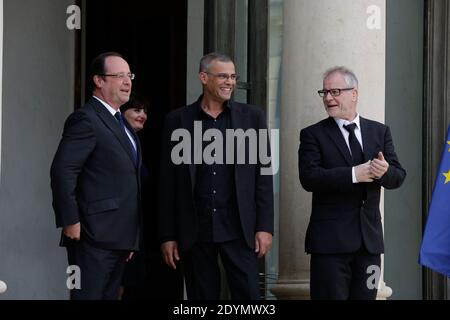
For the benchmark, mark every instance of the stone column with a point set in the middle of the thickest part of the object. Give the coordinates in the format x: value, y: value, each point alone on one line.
x: 318, y: 35
x: 194, y: 48
x: 1, y: 80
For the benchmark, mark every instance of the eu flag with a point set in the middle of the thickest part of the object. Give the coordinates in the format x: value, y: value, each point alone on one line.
x: 435, y: 250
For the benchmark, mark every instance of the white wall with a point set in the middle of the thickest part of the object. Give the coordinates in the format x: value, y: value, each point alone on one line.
x: 38, y: 63
x: 1, y: 81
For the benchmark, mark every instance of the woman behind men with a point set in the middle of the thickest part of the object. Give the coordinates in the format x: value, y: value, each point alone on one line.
x: 146, y: 276
x: 135, y: 111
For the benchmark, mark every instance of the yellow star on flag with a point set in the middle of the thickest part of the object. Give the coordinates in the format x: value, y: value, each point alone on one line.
x: 447, y: 177
x: 448, y: 142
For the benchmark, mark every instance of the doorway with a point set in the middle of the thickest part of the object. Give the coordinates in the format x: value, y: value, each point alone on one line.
x: 152, y: 37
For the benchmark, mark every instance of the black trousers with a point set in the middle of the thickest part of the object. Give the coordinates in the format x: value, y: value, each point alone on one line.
x: 202, y: 272
x: 345, y: 276
x: 147, y: 271
x: 101, y: 271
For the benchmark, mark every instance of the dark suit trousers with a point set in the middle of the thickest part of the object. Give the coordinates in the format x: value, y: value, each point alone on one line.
x: 344, y: 276
x: 202, y: 272
x: 101, y: 271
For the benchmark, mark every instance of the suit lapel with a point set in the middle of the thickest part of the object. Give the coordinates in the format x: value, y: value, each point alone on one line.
x: 367, y: 139
x: 112, y: 124
x: 136, y: 140
x: 239, y: 120
x: 333, y: 131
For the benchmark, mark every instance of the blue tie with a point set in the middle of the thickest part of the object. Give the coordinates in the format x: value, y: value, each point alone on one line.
x: 119, y: 118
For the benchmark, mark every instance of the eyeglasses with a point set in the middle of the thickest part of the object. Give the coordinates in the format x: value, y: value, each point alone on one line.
x: 120, y: 75
x: 334, y: 92
x: 224, y: 76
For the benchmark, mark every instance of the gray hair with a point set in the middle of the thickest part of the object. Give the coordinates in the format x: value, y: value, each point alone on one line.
x: 349, y: 75
x: 209, y: 58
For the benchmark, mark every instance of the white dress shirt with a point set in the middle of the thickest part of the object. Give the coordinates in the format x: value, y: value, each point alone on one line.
x: 341, y: 123
x: 113, y: 112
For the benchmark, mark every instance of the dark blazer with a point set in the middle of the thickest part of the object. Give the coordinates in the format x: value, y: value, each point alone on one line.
x: 177, y: 218
x: 339, y: 221
x: 95, y: 181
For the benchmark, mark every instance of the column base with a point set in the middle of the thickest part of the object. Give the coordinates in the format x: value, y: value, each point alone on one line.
x: 299, y: 290
x: 291, y: 290
x: 384, y: 292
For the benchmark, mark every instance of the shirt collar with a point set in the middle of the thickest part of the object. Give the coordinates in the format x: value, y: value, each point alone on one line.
x: 341, y: 122
x: 107, y: 106
x: 226, y: 104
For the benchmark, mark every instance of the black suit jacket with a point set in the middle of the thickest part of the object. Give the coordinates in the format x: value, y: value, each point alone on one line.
x: 339, y: 221
x: 95, y: 181
x: 177, y: 217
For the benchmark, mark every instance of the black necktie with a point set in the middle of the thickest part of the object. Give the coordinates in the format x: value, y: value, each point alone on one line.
x: 119, y: 118
x: 357, y: 155
x: 355, y: 147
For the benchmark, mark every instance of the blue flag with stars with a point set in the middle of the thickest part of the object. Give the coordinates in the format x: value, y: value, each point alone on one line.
x: 435, y: 249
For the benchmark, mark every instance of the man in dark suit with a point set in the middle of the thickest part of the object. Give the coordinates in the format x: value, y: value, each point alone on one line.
x: 344, y: 161
x: 95, y: 183
x: 211, y: 209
